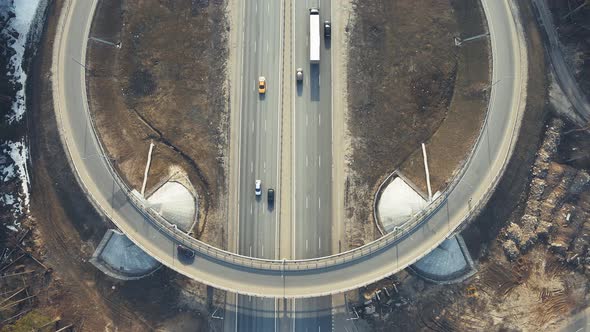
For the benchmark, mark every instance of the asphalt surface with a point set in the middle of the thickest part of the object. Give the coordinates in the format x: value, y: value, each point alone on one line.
x: 563, y: 73
x: 577, y: 323
x: 289, y: 279
x: 259, y: 155
x: 312, y: 150
x: 259, y: 134
x: 312, y: 158
x: 259, y: 142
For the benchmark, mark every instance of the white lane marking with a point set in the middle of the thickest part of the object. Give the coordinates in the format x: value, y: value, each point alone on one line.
x: 319, y: 243
x: 268, y: 7
x: 293, y: 125
x: 251, y: 167
x: 320, y: 161
x: 254, y: 46
x: 256, y: 7
x: 279, y: 124
x: 252, y: 126
x: 236, y: 317
x: 267, y: 47
x: 251, y: 208
x: 319, y: 203
x: 276, y: 313
x: 240, y: 92
x: 306, y: 202
x: 306, y: 245
x: 264, y: 166
x: 264, y: 125
x: 250, y: 251
x: 306, y: 161
x: 262, y: 250
x: 319, y: 119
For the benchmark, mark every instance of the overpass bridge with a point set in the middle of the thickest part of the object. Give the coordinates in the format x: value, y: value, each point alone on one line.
x: 469, y: 190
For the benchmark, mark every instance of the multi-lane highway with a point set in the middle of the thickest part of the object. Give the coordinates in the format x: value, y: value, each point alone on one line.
x: 312, y: 158
x: 259, y: 46
x: 312, y: 143
x: 259, y: 127
x: 259, y: 142
x: 291, y: 278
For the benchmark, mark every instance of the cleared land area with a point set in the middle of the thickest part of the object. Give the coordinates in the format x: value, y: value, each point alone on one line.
x: 408, y: 83
x: 166, y: 84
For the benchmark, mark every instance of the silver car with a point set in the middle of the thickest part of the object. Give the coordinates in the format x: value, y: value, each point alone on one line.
x: 299, y: 74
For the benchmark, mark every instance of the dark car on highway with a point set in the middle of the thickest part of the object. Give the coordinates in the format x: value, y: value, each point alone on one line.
x: 327, y: 29
x: 185, y: 253
x: 271, y: 196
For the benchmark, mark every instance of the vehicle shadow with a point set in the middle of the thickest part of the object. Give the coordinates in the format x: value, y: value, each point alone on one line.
x: 300, y: 87
x: 314, y: 82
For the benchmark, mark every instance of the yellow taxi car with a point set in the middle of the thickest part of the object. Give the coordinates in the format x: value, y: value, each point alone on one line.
x: 261, y: 85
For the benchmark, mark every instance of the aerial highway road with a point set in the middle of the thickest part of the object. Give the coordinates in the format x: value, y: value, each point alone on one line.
x: 290, y: 278
x: 312, y: 158
x: 259, y: 49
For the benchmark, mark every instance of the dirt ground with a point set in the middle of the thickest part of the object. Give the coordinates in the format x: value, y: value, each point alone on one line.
x: 546, y: 282
x: 166, y: 84
x: 408, y: 84
x: 65, y: 229
x: 571, y: 19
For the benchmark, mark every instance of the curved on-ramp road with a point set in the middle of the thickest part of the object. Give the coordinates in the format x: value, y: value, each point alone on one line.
x: 296, y: 278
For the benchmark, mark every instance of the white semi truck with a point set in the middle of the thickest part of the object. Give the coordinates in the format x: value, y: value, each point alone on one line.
x: 314, y: 35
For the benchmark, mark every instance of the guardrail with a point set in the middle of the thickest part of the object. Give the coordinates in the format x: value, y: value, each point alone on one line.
x: 368, y: 249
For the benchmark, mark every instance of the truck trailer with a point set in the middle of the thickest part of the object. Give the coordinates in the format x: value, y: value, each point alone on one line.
x: 314, y: 35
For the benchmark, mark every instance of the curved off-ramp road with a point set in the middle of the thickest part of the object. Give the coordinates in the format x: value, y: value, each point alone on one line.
x: 295, y: 278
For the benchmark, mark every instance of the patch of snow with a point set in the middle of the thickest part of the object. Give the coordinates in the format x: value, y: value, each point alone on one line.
x: 176, y: 204
x: 24, y: 23
x: 21, y: 32
x: 8, y: 199
x: 398, y: 203
x: 7, y: 173
x: 12, y: 228
x: 19, y: 153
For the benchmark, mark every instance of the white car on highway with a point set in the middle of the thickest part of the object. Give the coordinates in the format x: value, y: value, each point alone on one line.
x: 258, y: 187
